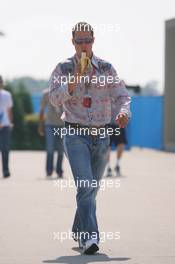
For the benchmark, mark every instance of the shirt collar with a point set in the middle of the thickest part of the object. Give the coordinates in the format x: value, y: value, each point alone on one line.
x: 95, y: 61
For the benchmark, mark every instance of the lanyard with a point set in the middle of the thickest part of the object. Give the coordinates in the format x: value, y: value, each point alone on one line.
x: 87, y: 84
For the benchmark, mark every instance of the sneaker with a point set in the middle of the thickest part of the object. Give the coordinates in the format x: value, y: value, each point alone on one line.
x: 60, y: 176
x: 49, y: 174
x: 109, y: 173
x: 6, y: 175
x: 117, y: 169
x: 90, y: 247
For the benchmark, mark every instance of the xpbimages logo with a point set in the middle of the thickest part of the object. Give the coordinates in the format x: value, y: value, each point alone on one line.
x: 102, y: 185
x: 102, y: 28
x: 101, y: 79
x: 102, y: 236
x: 102, y: 132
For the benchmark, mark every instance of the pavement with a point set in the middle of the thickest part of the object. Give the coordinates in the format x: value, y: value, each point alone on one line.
x: 136, y: 212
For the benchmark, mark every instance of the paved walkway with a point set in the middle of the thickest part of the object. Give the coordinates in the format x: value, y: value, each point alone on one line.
x: 34, y: 211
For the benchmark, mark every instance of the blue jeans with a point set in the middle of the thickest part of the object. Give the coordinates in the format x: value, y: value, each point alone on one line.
x: 5, y: 133
x: 53, y: 143
x: 87, y: 156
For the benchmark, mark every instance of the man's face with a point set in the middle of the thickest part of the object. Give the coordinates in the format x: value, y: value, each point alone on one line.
x: 83, y: 42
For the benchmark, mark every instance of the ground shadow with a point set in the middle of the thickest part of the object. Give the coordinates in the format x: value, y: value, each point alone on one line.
x: 50, y: 178
x: 84, y: 259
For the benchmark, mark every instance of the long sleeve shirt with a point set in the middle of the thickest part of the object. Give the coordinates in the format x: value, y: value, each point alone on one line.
x: 103, y: 86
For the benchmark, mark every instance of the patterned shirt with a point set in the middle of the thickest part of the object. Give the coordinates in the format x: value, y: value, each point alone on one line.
x: 100, y: 91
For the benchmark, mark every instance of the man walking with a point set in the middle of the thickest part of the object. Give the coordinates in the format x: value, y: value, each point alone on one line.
x: 6, y: 105
x: 119, y: 141
x: 86, y: 99
x: 46, y: 127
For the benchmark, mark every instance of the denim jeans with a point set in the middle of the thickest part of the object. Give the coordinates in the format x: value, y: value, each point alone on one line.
x: 5, y: 133
x: 53, y: 143
x: 87, y: 156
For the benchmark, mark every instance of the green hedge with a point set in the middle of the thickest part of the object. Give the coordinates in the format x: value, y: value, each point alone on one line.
x: 25, y: 131
x: 33, y: 140
x: 30, y: 140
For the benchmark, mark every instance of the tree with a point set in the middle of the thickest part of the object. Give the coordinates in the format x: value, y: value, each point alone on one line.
x: 151, y: 89
x: 25, y: 99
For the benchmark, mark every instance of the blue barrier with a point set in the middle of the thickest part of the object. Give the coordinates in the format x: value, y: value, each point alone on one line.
x: 146, y: 126
x: 36, y: 99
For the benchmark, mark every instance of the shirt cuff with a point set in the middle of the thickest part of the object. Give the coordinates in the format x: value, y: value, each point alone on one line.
x: 124, y: 112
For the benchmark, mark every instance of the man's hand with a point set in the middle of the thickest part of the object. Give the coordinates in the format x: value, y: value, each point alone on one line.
x: 122, y: 120
x: 41, y: 130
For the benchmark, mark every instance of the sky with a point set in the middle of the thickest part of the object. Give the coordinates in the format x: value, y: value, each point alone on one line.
x: 129, y: 34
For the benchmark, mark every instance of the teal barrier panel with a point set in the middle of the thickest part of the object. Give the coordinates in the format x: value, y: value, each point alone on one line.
x: 146, y: 126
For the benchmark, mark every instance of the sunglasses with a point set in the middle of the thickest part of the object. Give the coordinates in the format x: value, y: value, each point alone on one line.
x: 80, y: 41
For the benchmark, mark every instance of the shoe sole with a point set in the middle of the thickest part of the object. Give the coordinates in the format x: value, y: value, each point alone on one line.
x: 91, y: 250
